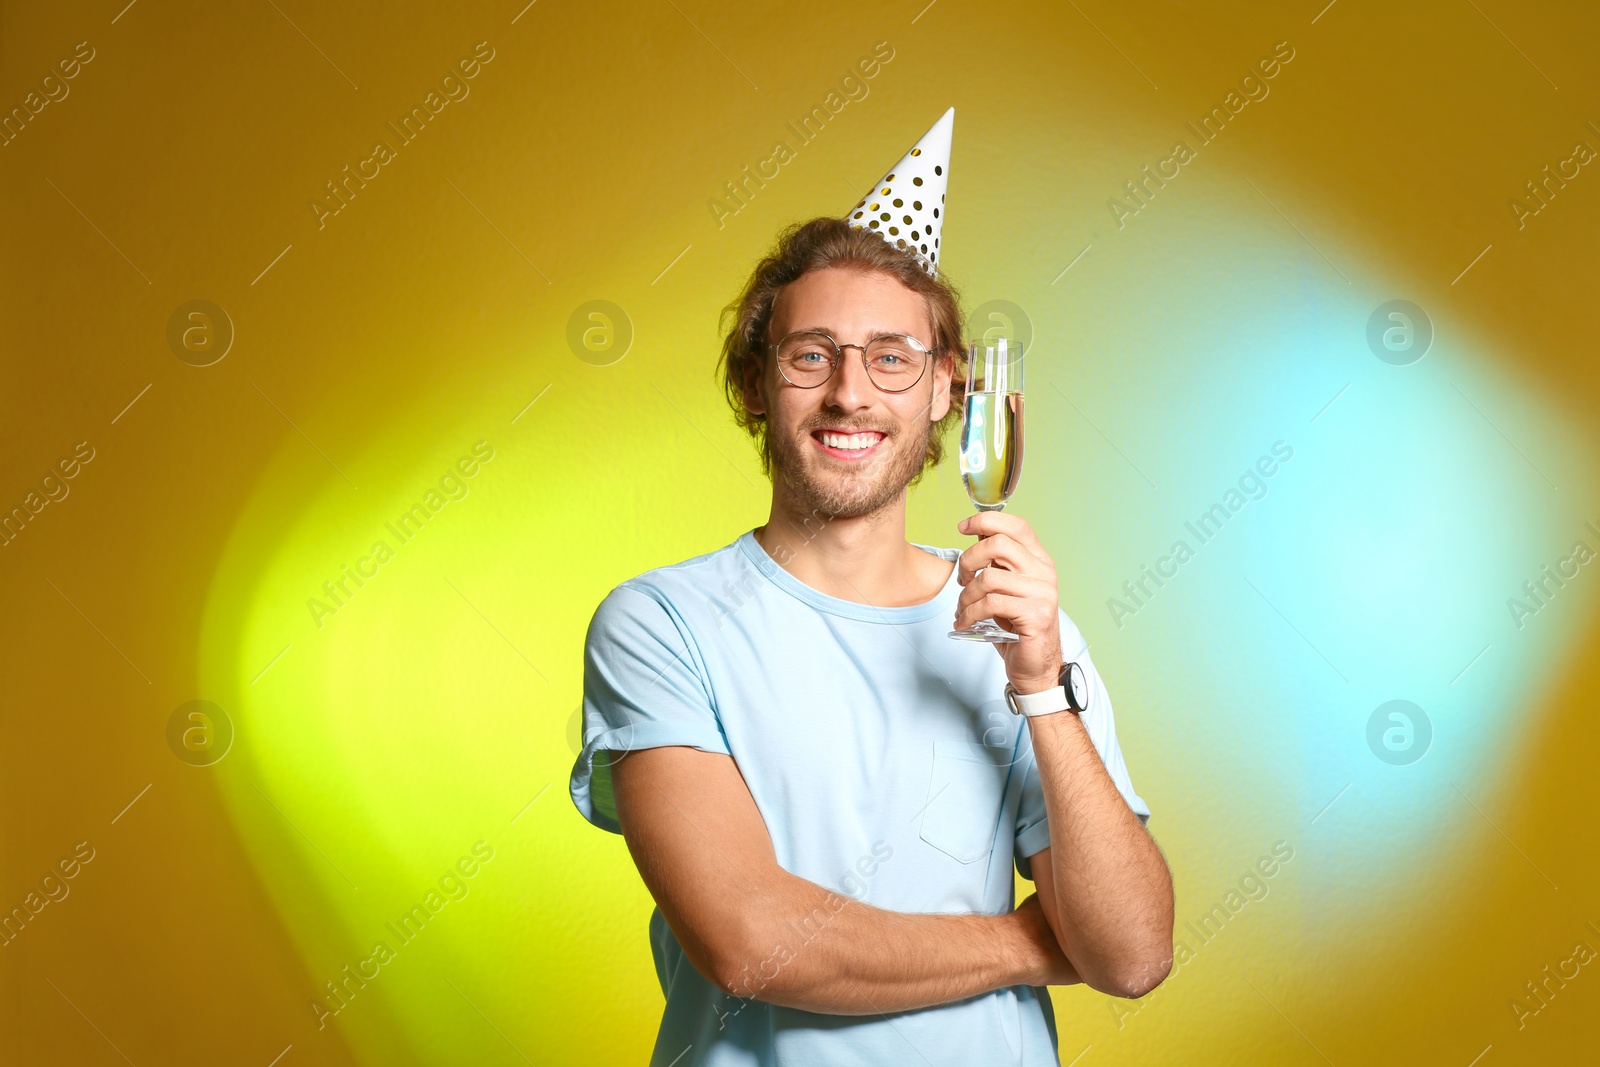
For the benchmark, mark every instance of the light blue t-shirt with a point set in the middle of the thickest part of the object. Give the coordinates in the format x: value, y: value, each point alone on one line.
x: 884, y: 761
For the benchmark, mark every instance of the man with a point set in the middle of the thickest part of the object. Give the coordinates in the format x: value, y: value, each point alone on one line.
x: 822, y: 791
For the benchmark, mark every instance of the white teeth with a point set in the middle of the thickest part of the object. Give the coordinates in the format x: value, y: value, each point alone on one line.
x: 853, y: 442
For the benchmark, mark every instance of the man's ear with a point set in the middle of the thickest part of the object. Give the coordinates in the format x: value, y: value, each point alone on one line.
x: 754, y: 402
x: 943, y: 372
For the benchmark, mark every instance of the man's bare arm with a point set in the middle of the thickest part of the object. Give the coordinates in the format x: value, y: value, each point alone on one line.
x: 756, y: 930
x: 1103, y: 882
x: 1111, y: 890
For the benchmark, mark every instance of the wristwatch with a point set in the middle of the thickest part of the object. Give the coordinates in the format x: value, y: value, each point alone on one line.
x: 1071, y: 695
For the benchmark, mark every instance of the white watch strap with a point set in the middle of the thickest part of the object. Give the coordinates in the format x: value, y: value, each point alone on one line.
x: 1046, y: 703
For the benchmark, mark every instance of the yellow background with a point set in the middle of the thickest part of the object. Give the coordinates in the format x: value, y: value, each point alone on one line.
x: 434, y: 710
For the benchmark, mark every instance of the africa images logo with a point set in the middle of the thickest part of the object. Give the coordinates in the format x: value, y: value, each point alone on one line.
x: 452, y: 486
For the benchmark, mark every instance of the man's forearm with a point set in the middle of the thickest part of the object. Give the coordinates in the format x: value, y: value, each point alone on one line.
x: 1112, y: 889
x: 816, y: 950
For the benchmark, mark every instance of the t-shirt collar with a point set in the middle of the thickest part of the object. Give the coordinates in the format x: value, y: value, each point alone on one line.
x: 849, y: 609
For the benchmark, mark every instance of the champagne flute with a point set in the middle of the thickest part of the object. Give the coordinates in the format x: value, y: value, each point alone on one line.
x: 991, y: 444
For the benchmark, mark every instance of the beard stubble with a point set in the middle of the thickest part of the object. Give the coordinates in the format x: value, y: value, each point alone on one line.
x: 852, y: 493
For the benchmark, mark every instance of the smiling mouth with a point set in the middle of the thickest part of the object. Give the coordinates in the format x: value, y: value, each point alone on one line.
x: 848, y: 446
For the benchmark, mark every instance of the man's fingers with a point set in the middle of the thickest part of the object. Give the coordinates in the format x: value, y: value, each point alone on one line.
x: 1012, y: 583
x: 992, y: 551
x: 1016, y: 589
x: 1001, y: 550
x: 1025, y: 615
x: 985, y: 523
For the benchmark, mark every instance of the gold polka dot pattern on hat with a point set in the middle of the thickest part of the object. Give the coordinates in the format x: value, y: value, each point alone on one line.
x: 913, y: 224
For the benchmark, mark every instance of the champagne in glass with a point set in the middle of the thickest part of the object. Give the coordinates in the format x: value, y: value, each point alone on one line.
x: 991, y: 448
x: 991, y: 444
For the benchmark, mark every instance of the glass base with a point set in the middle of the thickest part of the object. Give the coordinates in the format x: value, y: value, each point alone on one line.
x: 986, y: 630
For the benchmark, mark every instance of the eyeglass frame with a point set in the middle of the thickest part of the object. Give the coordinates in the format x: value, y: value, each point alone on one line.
x: 838, y: 351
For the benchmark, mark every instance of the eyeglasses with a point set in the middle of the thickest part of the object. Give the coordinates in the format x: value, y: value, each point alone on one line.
x: 894, y: 362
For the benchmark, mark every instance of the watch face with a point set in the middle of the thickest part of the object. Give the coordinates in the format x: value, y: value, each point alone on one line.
x: 1077, y: 688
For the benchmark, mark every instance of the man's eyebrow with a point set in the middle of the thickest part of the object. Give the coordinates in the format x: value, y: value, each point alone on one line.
x: 830, y: 333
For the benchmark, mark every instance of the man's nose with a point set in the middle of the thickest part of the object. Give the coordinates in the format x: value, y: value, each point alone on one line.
x: 850, y: 388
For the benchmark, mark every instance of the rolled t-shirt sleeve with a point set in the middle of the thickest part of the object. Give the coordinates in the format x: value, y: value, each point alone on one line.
x: 644, y: 686
x: 1032, y: 828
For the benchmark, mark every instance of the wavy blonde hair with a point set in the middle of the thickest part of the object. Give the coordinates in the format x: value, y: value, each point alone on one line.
x: 815, y: 245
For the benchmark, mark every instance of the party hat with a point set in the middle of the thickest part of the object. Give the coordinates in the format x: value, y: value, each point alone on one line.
x: 906, y: 207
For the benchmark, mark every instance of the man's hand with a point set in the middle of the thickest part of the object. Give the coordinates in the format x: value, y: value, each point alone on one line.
x: 757, y: 931
x: 1053, y: 966
x: 1110, y: 887
x: 1017, y: 589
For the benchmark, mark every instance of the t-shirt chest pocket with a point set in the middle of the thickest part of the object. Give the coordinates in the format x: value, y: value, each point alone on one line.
x: 965, y: 793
